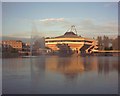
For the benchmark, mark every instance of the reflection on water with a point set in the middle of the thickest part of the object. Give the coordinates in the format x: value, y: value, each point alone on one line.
x: 53, y: 74
x: 70, y: 66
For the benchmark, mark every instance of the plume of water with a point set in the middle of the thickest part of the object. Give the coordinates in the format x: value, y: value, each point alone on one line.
x: 37, y: 40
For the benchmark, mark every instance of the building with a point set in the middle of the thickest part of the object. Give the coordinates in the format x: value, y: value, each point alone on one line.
x: 75, y: 42
x: 16, y: 44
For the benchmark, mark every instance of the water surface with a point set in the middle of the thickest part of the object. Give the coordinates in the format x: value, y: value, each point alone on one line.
x: 60, y: 75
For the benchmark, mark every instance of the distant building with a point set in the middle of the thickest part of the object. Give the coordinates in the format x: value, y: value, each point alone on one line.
x: 75, y: 42
x: 16, y: 44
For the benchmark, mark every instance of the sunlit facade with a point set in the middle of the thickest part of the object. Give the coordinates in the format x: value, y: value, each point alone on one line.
x: 17, y: 44
x: 76, y: 43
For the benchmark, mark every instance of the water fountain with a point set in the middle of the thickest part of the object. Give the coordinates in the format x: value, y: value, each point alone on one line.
x: 37, y: 43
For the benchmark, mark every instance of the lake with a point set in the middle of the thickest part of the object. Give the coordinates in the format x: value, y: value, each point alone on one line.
x: 60, y: 75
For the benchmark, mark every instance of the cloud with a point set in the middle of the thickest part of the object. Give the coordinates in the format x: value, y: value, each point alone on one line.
x: 89, y: 27
x: 53, y: 20
x: 15, y: 38
x: 19, y: 34
x: 87, y: 23
x: 90, y: 24
x: 35, y: 34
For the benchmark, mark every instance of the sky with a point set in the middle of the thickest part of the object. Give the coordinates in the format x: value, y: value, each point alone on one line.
x: 49, y: 19
x: 0, y: 19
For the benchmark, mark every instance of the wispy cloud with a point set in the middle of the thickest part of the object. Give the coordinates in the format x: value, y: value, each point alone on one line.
x: 18, y: 35
x: 53, y: 20
x: 28, y: 34
x: 57, y: 26
x: 86, y: 27
x: 50, y: 22
x: 91, y: 27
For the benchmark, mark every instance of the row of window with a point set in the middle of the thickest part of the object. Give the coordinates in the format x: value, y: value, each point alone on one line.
x: 11, y: 42
x: 12, y: 46
x: 70, y: 41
